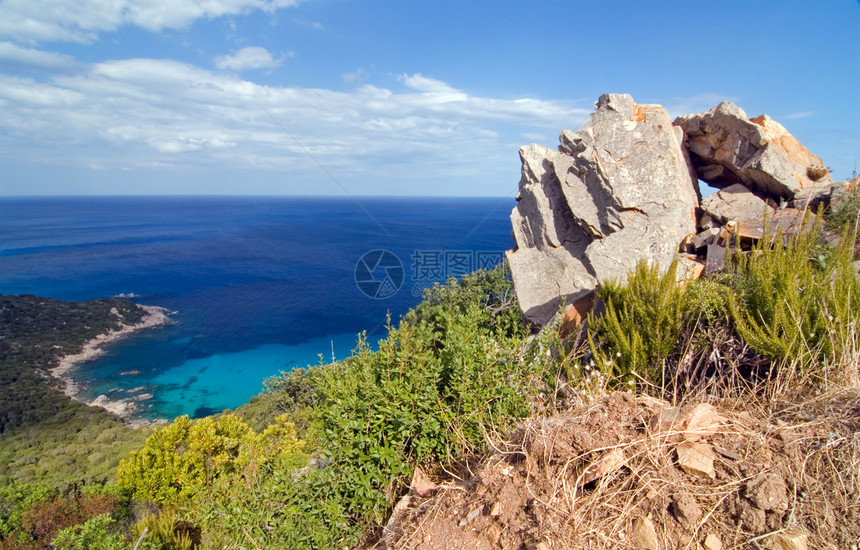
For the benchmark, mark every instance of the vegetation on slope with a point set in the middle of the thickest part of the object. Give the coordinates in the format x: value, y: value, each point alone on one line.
x: 35, y: 331
x: 457, y: 370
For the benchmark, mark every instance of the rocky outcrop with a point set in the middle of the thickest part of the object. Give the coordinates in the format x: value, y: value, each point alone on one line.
x: 736, y: 202
x: 727, y: 148
x: 618, y: 191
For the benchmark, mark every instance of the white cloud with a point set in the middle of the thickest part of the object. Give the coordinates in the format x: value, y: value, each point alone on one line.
x: 424, y: 84
x: 83, y: 20
x: 252, y: 57
x: 12, y: 57
x: 804, y: 114
x: 148, y: 112
x: 354, y: 76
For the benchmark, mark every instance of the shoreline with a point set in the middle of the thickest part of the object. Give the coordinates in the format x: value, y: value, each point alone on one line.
x: 124, y: 409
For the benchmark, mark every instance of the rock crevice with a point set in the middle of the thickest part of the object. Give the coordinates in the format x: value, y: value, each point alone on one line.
x: 618, y: 191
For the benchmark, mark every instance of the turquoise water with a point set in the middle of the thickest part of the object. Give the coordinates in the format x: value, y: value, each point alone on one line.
x: 256, y: 285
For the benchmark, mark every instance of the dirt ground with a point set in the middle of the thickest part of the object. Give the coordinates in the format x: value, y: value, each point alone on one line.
x: 635, y: 472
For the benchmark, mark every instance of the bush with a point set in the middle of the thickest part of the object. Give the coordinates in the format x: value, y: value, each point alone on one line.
x: 188, y: 457
x: 643, y: 322
x: 452, y: 371
x: 798, y: 304
x: 93, y: 533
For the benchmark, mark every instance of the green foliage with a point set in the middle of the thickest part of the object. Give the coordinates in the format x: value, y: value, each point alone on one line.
x: 796, y: 303
x: 796, y: 306
x: 84, y: 445
x: 33, y: 520
x: 296, y: 393
x: 163, y: 531
x: 15, y: 501
x: 450, y: 372
x: 453, y: 370
x: 93, y: 533
x: 643, y: 321
x: 188, y: 457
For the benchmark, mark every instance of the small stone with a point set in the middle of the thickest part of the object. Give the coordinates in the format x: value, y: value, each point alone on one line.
x: 715, y: 258
x: 713, y: 542
x: 703, y: 420
x: 790, y: 540
x: 541, y: 546
x: 727, y: 453
x: 473, y: 514
x: 574, y: 314
x: 644, y: 534
x: 768, y: 492
x: 688, y: 268
x: 667, y: 419
x: 696, y: 459
x: 496, y: 510
x: 686, y: 510
x: 706, y: 237
x: 420, y: 485
x: 607, y: 464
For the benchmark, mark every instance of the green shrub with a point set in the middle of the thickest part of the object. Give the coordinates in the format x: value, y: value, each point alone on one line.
x: 94, y: 533
x: 188, y: 457
x: 798, y: 304
x: 454, y: 369
x: 642, y: 325
x: 15, y: 501
x: 451, y: 372
x: 163, y: 531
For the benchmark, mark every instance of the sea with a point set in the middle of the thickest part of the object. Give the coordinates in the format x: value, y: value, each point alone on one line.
x: 256, y: 285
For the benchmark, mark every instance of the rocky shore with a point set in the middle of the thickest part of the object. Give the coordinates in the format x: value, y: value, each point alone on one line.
x: 123, y: 408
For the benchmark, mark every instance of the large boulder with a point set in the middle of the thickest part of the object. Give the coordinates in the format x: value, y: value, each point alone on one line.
x: 728, y: 148
x: 737, y: 203
x: 618, y: 191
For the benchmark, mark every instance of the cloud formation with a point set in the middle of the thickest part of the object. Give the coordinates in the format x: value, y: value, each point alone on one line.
x: 251, y: 57
x: 82, y: 20
x: 803, y: 114
x: 149, y: 112
x: 26, y: 59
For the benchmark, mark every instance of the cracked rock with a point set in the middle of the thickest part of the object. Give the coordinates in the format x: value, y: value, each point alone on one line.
x: 727, y: 147
x: 619, y: 191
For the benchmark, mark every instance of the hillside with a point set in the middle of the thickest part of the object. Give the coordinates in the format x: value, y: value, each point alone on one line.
x: 45, y: 436
x: 644, y: 372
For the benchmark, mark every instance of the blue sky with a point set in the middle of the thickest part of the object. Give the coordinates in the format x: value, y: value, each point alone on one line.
x: 403, y: 97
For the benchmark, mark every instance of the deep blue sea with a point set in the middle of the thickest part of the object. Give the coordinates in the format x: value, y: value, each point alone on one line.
x: 256, y: 285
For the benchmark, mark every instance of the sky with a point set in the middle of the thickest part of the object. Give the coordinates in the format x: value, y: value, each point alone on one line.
x: 396, y: 97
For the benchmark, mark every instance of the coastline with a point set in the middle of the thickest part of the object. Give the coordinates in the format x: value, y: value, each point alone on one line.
x: 124, y: 409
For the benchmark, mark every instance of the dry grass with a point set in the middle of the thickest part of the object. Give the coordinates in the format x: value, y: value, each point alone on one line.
x: 541, y: 480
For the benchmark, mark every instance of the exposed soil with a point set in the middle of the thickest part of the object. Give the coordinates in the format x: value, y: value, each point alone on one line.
x: 600, y: 476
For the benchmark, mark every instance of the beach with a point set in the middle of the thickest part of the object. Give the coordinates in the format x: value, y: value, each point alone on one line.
x: 123, y: 408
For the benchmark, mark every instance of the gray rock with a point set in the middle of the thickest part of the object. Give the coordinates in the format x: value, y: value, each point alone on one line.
x: 736, y: 202
x: 618, y: 191
x: 843, y: 191
x: 706, y: 237
x: 726, y: 148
